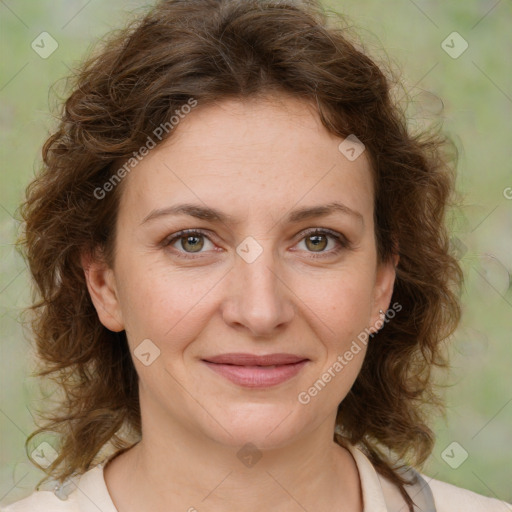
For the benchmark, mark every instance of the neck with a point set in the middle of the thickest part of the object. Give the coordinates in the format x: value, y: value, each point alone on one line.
x: 173, y: 466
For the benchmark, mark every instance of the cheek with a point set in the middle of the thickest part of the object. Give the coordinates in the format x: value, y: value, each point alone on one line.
x: 341, y: 300
x: 163, y: 304
x: 344, y: 310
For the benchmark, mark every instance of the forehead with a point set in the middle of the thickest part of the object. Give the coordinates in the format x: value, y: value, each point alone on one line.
x: 239, y: 155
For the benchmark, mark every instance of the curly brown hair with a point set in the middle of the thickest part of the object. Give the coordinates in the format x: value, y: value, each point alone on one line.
x: 212, y: 50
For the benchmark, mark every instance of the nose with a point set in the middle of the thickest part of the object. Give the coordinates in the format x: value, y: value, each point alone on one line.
x: 259, y: 300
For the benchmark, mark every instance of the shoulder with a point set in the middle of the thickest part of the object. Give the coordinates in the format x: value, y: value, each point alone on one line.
x: 450, y: 498
x: 380, y: 494
x: 42, y: 501
x: 82, y: 493
x: 428, y: 493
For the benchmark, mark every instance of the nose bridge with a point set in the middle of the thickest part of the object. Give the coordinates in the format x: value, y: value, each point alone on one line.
x: 261, y: 301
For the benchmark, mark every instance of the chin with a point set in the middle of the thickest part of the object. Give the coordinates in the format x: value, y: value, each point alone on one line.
x: 262, y: 425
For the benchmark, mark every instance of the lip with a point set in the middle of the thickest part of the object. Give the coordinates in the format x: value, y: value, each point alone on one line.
x: 248, y: 370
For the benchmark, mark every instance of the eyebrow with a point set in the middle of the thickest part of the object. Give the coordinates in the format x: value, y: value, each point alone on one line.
x: 211, y: 214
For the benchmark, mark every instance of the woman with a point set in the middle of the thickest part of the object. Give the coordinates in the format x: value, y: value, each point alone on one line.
x: 244, y: 273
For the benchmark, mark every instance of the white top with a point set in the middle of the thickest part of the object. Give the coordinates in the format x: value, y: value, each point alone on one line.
x: 89, y: 493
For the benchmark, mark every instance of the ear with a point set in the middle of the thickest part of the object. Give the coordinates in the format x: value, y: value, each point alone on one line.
x: 102, y: 289
x: 383, y: 290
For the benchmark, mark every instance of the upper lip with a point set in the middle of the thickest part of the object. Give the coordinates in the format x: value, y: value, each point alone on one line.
x: 244, y: 359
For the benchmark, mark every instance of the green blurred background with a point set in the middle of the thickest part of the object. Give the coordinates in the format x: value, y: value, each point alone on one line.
x: 475, y: 89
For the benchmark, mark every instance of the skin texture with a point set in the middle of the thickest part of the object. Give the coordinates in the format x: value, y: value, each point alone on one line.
x: 255, y: 160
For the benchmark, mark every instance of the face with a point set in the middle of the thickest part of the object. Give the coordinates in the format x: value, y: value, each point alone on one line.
x: 265, y: 269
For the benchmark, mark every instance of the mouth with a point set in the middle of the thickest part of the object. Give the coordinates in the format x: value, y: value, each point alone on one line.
x: 252, y: 371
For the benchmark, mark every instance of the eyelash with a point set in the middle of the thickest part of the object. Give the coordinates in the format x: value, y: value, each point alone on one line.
x: 342, y: 241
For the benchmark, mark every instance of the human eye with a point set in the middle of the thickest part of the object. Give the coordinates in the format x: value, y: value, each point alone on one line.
x: 317, y: 239
x: 188, y: 242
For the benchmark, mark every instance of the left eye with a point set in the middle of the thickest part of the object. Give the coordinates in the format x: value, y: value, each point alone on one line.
x: 192, y: 241
x: 317, y: 240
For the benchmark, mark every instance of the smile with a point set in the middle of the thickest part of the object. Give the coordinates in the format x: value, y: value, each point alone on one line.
x: 256, y: 371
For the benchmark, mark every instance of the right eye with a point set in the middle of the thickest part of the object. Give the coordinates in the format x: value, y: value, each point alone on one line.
x: 189, y: 241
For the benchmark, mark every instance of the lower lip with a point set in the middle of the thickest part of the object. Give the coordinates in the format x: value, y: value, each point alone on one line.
x: 257, y: 376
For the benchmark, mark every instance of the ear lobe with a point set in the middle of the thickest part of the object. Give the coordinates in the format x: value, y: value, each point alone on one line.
x: 101, y: 285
